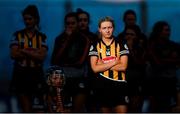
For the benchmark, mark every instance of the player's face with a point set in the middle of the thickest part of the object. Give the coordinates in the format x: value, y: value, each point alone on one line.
x: 29, y: 21
x: 55, y: 79
x: 130, y: 34
x: 83, y: 21
x: 130, y: 19
x: 106, y: 29
x: 165, y: 32
x: 71, y: 24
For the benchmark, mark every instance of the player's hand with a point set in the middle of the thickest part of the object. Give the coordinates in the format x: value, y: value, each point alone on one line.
x: 68, y: 31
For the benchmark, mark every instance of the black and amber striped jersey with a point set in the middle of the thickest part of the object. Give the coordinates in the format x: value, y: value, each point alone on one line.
x: 21, y: 39
x: 108, y: 54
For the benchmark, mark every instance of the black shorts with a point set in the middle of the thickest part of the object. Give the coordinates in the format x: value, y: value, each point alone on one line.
x: 28, y: 80
x: 75, y: 85
x: 110, y: 93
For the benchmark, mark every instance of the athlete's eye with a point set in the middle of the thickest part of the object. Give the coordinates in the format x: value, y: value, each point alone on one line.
x: 110, y: 27
x: 103, y: 28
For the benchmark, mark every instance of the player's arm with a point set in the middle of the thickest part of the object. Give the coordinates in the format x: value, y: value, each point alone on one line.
x: 37, y: 54
x: 98, y: 66
x: 15, y: 52
x: 122, y: 64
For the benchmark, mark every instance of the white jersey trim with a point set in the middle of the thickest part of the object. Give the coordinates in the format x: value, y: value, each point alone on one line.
x: 113, y: 79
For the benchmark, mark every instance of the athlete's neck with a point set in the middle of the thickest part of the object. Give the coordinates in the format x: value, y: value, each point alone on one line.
x: 107, y: 41
x: 30, y: 32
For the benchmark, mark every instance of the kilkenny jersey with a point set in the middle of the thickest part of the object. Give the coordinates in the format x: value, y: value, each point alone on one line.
x: 108, y: 54
x: 22, y: 40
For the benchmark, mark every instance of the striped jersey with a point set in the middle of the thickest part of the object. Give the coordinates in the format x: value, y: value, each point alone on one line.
x: 108, y: 54
x: 22, y: 40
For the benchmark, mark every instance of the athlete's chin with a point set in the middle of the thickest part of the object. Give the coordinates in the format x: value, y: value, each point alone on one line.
x: 108, y: 36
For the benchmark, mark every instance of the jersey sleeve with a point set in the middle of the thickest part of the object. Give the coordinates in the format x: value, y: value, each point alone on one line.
x: 123, y: 48
x: 44, y: 43
x: 14, y: 41
x: 93, y: 50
